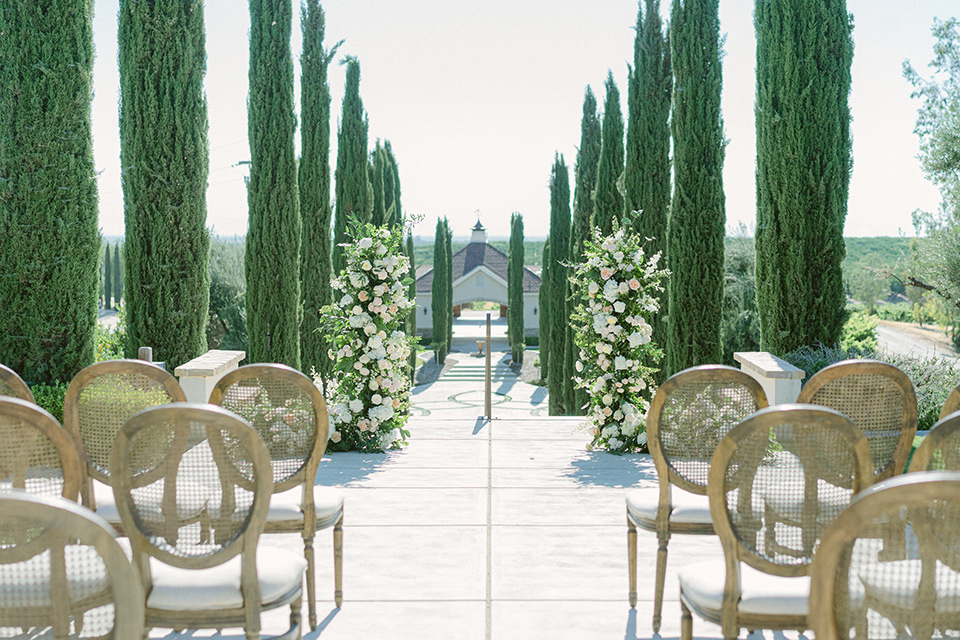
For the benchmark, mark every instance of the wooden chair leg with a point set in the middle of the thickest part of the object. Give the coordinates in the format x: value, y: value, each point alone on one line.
x: 295, y: 614
x: 686, y: 622
x: 338, y: 562
x: 632, y: 561
x: 311, y: 581
x: 663, y: 540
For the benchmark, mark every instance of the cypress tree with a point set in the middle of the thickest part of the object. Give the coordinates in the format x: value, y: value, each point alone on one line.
x: 546, y: 300
x: 412, y: 292
x: 438, y: 292
x: 117, y: 275
x: 696, y: 232
x: 647, y: 173
x: 273, y: 237
x: 314, y: 186
x: 804, y: 53
x: 397, y: 219
x: 585, y: 179
x: 381, y: 179
x: 49, y: 235
x: 353, y: 189
x: 515, y: 288
x: 559, y: 256
x: 164, y: 153
x: 607, y: 197
x: 107, y: 278
x: 448, y: 281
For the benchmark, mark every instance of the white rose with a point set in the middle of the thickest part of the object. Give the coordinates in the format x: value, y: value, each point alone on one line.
x: 356, y: 406
x: 619, y: 306
x: 376, y: 399
x: 365, y: 243
x: 620, y: 363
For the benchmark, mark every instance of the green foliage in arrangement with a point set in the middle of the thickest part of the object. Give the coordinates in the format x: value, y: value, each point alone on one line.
x: 440, y: 305
x: 272, y: 257
x: 647, y: 170
x: 117, y: 275
x: 411, y: 324
x: 741, y: 321
x: 227, y: 326
x: 50, y: 396
x: 608, y: 192
x: 698, y: 216
x: 585, y: 180
x: 804, y: 53
x: 163, y: 150
x: 560, y: 308
x: 515, y: 288
x: 49, y: 237
x: 107, y: 278
x: 354, y: 194
x: 933, y: 378
x: 313, y: 182
x: 546, y: 311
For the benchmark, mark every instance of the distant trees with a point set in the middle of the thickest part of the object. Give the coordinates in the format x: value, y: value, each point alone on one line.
x: 354, y: 193
x: 804, y: 53
x: 697, y: 223
x: 647, y: 171
x: 608, y: 196
x: 163, y: 151
x: 107, y: 278
x: 557, y: 284
x: 546, y: 313
x: 440, y: 296
x: 314, y: 186
x: 515, y: 270
x: 117, y: 275
x: 273, y: 236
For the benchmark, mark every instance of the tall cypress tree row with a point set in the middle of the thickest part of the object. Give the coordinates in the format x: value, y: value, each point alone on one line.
x: 117, y: 275
x: 546, y: 300
x: 107, y: 278
x: 696, y: 232
x: 804, y: 53
x: 438, y: 292
x: 515, y: 288
x: 273, y: 237
x: 607, y: 199
x: 647, y: 173
x: 448, y: 281
x: 49, y: 234
x: 559, y: 255
x: 585, y: 179
x: 353, y: 189
x: 411, y: 325
x: 164, y: 153
x: 381, y: 179
x: 314, y: 186
x: 397, y: 220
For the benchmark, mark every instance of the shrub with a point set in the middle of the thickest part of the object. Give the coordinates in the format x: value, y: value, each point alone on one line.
x: 859, y: 333
x: 50, y: 397
x: 110, y: 340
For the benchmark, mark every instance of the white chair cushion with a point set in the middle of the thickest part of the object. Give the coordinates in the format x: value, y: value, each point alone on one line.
x: 903, y: 593
x: 175, y: 589
x: 286, y: 504
x: 28, y: 582
x: 193, y: 498
x: 760, y: 593
x: 687, y: 508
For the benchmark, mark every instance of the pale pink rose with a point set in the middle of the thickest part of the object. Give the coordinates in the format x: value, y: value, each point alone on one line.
x: 634, y: 284
x: 606, y: 273
x: 362, y: 296
x: 335, y: 437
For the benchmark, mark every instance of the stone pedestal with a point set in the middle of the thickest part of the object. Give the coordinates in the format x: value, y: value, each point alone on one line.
x: 200, y: 375
x: 780, y: 379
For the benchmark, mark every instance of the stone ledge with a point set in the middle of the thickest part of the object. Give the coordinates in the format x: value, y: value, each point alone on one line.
x: 768, y: 365
x: 212, y: 363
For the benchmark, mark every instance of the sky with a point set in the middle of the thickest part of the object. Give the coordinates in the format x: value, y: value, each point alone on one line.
x: 477, y: 97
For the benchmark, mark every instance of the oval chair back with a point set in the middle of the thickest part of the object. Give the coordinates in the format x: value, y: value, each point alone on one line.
x: 13, y: 385
x: 940, y: 448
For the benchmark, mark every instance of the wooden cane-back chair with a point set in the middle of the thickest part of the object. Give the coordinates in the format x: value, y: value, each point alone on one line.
x: 98, y: 401
x: 13, y: 385
x: 62, y: 573
x: 940, y: 448
x: 290, y: 414
x: 880, y: 400
x: 856, y: 592
x: 36, y: 454
x: 207, y: 572
x: 951, y: 404
x: 690, y: 414
x: 762, y: 581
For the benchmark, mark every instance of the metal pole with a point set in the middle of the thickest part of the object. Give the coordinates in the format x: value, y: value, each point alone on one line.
x: 487, y: 400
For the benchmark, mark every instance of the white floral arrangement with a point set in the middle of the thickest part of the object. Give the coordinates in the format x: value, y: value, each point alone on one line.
x: 369, y: 394
x: 620, y: 288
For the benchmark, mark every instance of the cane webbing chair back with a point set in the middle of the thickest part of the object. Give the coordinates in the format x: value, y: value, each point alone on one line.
x: 170, y: 461
x: 857, y: 590
x: 287, y: 410
x: 880, y: 400
x: 36, y: 454
x: 100, y: 399
x: 691, y: 413
x: 940, y: 448
x: 13, y: 385
x: 62, y: 573
x: 951, y: 404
